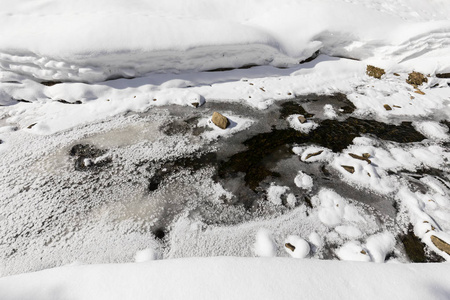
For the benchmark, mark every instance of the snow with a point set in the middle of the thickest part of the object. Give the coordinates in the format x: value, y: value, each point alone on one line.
x: 301, y: 249
x: 432, y: 130
x: 297, y: 125
x: 380, y: 245
x: 274, y: 193
x: 303, y: 180
x: 353, y: 251
x: 334, y: 209
x: 115, y: 61
x: 230, y: 278
x: 145, y: 255
x: 264, y: 244
x: 237, y: 124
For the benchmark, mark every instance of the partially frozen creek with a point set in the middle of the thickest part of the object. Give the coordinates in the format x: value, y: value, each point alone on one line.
x: 168, y: 180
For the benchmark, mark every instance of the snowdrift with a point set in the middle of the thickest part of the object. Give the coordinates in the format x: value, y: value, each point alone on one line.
x: 96, y: 40
x: 233, y: 278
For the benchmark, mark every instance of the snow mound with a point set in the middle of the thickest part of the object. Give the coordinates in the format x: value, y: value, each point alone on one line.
x: 265, y: 245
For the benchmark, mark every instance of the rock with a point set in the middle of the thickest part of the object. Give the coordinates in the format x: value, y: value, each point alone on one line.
x: 365, y: 158
x: 50, y: 83
x: 415, y: 79
x: 443, y: 75
x: 396, y: 106
x: 290, y: 246
x: 89, y: 157
x: 1, y: 142
x: 440, y: 244
x: 302, y: 119
x: 67, y: 102
x: 419, y: 92
x: 195, y: 104
x: 313, y: 154
x: 387, y: 107
x: 31, y: 126
x: 375, y: 72
x: 220, y: 121
x: 396, y: 74
x: 349, y: 169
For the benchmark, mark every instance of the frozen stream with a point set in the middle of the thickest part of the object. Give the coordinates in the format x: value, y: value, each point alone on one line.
x: 168, y: 180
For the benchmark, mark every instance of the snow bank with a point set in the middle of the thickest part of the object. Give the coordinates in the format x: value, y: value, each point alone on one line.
x: 95, y: 40
x: 232, y: 278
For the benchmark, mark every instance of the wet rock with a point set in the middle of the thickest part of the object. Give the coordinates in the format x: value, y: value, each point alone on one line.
x: 375, y: 72
x: 440, y: 244
x: 443, y: 75
x: 23, y: 101
x: 415, y: 79
x: 67, y: 102
x: 387, y: 107
x: 302, y: 119
x: 220, y: 120
x: 349, y: 169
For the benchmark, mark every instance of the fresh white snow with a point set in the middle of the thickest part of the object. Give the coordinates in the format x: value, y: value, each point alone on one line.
x: 112, y: 59
x: 232, y: 278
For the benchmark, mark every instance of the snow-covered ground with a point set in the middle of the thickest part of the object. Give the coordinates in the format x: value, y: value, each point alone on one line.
x: 232, y: 278
x: 138, y: 83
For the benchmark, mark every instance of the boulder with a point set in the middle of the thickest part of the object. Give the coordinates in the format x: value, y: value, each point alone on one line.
x: 220, y: 120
